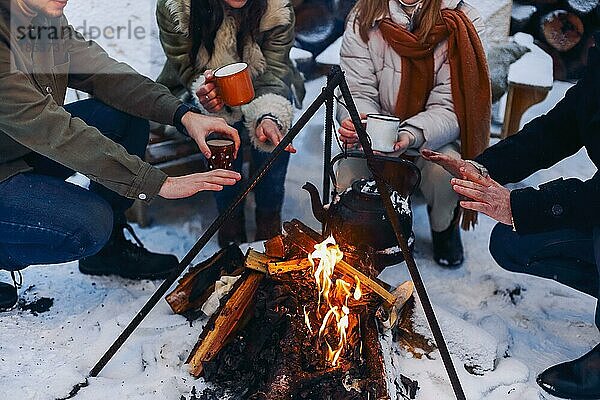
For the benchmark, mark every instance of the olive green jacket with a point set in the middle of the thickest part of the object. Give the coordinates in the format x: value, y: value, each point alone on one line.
x: 36, y: 67
x: 276, y: 81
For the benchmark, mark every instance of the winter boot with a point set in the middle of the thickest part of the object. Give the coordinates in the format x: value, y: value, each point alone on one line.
x: 578, y: 379
x: 8, y: 292
x: 268, y: 224
x: 129, y: 260
x: 447, y: 245
x: 233, y: 230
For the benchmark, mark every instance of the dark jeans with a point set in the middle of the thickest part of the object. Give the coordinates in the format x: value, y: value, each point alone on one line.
x: 269, y: 192
x: 569, y: 256
x: 45, y: 220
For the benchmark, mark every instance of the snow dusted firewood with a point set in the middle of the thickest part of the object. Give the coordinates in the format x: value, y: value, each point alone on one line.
x: 476, y: 348
x: 562, y: 30
x: 582, y: 7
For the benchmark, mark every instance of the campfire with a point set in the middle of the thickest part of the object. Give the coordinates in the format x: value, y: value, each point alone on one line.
x: 300, y: 321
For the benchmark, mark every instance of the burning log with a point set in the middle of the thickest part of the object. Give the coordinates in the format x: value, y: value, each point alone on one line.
x: 275, y: 247
x: 306, y: 239
x: 310, y: 335
x: 284, y: 267
x: 257, y: 261
x: 197, y: 285
x: 221, y: 325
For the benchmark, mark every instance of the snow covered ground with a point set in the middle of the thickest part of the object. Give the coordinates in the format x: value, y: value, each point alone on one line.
x: 520, y: 323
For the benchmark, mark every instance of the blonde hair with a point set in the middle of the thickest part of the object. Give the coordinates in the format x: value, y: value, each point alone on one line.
x: 366, y: 12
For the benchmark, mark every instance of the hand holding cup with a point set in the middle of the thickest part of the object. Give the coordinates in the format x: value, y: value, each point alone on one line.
x: 208, y: 95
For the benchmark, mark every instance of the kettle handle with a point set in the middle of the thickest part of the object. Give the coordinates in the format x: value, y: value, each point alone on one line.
x: 339, y: 157
x: 360, y: 154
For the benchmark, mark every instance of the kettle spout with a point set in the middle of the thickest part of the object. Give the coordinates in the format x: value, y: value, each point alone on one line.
x: 317, y: 206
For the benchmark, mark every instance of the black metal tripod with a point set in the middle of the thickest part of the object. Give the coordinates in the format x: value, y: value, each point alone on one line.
x: 335, y: 80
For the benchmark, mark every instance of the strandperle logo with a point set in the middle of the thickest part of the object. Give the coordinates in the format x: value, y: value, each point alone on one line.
x: 91, y: 32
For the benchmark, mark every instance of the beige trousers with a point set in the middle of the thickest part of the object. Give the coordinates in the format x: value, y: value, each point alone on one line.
x: 435, y: 185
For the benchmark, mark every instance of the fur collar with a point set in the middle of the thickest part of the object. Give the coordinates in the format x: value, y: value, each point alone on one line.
x: 276, y: 14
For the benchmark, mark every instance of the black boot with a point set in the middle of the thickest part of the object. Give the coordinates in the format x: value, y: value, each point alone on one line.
x: 268, y: 225
x: 8, y: 292
x: 129, y: 260
x: 233, y: 231
x: 578, y: 379
x: 447, y: 245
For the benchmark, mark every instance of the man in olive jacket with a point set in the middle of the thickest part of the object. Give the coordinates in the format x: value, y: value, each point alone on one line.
x: 45, y: 220
x: 554, y: 231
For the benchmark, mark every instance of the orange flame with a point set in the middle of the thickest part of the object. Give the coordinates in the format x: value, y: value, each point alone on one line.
x: 329, y: 254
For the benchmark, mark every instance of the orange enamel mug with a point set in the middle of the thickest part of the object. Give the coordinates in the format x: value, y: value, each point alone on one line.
x: 234, y: 84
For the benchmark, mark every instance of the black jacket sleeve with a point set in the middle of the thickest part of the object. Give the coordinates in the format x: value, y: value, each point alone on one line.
x: 573, y: 123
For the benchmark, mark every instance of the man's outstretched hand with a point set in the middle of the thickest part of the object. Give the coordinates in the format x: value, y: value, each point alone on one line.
x: 450, y: 164
x: 200, y: 126
x: 188, y: 185
x: 484, y: 195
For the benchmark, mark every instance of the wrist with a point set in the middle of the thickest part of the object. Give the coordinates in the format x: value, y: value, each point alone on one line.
x: 483, y: 171
x: 183, y: 116
x: 270, y: 117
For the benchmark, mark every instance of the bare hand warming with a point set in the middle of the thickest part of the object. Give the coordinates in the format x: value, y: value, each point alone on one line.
x: 268, y: 130
x: 188, y: 185
x: 199, y: 126
x: 208, y: 95
x: 450, y: 164
x: 485, y: 195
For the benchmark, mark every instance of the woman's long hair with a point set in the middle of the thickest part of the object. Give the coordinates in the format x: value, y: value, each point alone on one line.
x: 368, y: 11
x: 206, y: 17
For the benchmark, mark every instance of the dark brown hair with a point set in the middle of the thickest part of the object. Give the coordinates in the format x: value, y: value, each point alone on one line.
x: 206, y: 17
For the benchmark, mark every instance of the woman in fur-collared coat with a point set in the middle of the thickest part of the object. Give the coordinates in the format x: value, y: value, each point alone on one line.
x: 422, y: 61
x: 199, y: 36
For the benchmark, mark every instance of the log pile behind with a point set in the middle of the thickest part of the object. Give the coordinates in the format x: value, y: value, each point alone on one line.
x: 562, y: 28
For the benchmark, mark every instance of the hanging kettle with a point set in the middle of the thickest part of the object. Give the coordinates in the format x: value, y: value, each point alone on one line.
x: 357, y: 216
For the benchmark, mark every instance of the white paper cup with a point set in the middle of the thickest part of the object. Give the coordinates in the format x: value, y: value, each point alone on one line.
x: 383, y: 131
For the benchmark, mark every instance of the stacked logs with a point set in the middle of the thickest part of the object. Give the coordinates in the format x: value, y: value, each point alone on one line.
x: 563, y: 28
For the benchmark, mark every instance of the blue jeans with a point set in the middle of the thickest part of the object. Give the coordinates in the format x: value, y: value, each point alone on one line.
x: 569, y: 256
x: 269, y: 192
x: 45, y: 220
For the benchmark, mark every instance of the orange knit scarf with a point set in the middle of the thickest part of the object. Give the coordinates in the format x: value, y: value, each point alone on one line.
x: 470, y: 81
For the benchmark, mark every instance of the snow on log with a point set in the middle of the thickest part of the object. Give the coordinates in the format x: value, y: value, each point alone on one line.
x: 562, y: 29
x: 582, y: 7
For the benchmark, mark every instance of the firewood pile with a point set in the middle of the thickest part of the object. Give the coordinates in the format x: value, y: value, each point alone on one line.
x: 562, y: 28
x: 301, y: 321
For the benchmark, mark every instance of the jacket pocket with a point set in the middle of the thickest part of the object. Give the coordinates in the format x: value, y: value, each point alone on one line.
x: 60, y: 74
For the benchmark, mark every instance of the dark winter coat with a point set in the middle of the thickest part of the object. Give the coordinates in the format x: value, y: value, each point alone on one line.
x: 572, y: 124
x: 35, y: 71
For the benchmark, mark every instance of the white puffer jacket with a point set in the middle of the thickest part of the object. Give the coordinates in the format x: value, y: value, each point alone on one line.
x: 374, y: 71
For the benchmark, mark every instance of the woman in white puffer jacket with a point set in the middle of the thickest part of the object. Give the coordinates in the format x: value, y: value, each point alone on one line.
x: 374, y: 74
